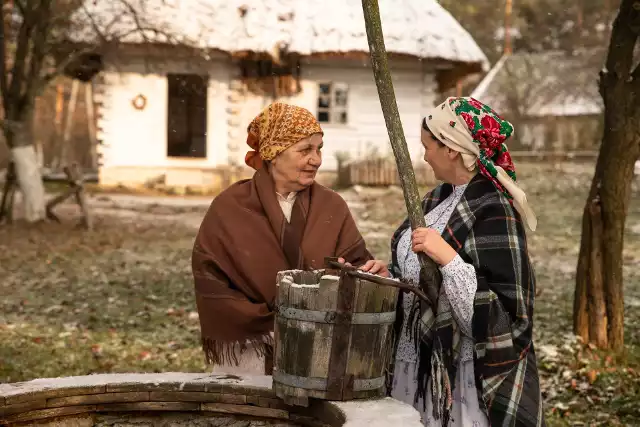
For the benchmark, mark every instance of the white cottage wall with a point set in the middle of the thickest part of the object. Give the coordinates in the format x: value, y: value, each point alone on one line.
x: 365, y: 133
x: 244, y: 106
x: 133, y: 147
x: 134, y: 142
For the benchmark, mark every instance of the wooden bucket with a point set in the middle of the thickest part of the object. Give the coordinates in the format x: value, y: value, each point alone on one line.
x: 333, y: 336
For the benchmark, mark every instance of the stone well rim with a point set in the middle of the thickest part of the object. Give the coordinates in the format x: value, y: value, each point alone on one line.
x: 45, y: 398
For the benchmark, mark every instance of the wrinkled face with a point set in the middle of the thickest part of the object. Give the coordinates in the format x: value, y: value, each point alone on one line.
x: 440, y: 157
x: 295, y: 168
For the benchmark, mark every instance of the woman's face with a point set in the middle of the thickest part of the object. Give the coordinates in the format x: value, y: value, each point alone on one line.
x: 295, y: 168
x: 437, y: 155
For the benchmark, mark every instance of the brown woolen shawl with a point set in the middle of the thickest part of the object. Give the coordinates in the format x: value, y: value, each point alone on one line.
x: 244, y: 241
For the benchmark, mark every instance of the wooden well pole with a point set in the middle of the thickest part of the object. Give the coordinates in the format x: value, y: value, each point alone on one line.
x: 429, y: 272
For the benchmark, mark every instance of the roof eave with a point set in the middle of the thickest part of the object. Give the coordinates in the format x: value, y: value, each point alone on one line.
x: 447, y: 71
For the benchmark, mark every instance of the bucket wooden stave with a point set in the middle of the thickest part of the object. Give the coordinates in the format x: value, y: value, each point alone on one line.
x: 333, y: 336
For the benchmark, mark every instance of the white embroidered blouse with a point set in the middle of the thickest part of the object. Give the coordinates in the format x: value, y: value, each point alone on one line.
x: 458, y: 279
x: 286, y: 203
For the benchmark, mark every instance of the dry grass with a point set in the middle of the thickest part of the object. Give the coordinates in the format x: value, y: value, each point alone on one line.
x: 121, y: 298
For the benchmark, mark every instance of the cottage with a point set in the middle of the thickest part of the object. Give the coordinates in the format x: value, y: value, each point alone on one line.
x: 552, y: 98
x: 173, y: 106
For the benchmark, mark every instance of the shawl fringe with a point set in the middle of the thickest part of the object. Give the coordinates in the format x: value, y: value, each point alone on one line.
x: 219, y: 352
x: 435, y: 363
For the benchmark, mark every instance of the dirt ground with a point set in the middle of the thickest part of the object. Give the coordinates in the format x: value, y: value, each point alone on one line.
x: 120, y: 298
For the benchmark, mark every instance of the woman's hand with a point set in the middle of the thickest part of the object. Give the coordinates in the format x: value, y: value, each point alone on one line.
x: 430, y: 242
x: 374, y: 266
x: 342, y: 261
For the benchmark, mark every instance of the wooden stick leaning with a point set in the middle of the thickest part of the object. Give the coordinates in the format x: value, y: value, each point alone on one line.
x: 429, y: 273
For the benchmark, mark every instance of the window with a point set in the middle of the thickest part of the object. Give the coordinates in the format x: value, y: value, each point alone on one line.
x: 187, y: 116
x: 332, y: 103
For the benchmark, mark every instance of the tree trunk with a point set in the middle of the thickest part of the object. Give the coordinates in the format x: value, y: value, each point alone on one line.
x: 592, y: 315
x: 599, y: 304
x: 28, y: 175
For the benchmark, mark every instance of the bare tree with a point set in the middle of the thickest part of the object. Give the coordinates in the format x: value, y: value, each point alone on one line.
x: 518, y: 90
x: 42, y: 39
x: 599, y: 304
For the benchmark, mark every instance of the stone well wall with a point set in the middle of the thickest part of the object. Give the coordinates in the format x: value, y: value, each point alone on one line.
x: 177, y: 399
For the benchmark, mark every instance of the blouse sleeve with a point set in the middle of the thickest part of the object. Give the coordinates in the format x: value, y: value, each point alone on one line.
x: 460, y: 283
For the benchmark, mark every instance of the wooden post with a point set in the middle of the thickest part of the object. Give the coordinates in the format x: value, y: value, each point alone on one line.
x: 6, y: 206
x: 429, y: 273
x: 69, y: 121
x: 91, y: 122
x: 580, y: 17
x: 55, y: 139
x: 76, y: 189
x: 59, y: 108
x: 508, y: 49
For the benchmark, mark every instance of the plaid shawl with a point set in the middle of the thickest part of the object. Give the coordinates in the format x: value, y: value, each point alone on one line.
x: 487, y: 232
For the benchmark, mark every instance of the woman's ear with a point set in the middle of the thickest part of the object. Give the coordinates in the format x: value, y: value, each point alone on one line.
x: 452, y: 153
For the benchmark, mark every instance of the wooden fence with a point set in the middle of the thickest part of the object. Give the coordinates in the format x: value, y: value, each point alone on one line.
x: 379, y: 172
x: 383, y: 172
x: 555, y: 156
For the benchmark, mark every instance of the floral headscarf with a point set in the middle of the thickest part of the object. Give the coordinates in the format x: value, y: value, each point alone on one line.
x: 480, y: 134
x: 276, y: 128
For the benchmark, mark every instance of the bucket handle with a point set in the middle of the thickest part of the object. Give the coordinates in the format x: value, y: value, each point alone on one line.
x: 353, y: 271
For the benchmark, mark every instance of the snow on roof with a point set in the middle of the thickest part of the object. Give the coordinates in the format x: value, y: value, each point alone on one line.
x: 544, y: 84
x: 418, y: 28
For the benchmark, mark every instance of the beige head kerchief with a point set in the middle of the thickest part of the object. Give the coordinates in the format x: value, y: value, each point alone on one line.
x: 479, y: 134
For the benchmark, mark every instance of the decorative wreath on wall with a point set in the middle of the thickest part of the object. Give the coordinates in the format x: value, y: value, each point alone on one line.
x: 139, y: 102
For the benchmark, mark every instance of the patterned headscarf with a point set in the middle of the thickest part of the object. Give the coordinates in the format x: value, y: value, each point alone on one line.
x: 276, y: 128
x: 479, y: 134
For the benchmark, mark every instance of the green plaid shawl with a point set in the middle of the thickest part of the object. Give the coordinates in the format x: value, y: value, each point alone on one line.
x: 487, y: 232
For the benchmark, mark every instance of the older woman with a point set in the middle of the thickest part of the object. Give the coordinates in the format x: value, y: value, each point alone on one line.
x: 278, y: 220
x: 470, y: 361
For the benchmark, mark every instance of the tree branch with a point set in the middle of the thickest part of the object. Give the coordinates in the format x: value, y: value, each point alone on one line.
x: 39, y: 50
x: 43, y: 32
x: 59, y: 68
x: 94, y: 25
x: 136, y: 19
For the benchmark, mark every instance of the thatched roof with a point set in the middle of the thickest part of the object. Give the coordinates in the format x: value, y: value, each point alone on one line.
x: 415, y: 28
x: 544, y: 84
